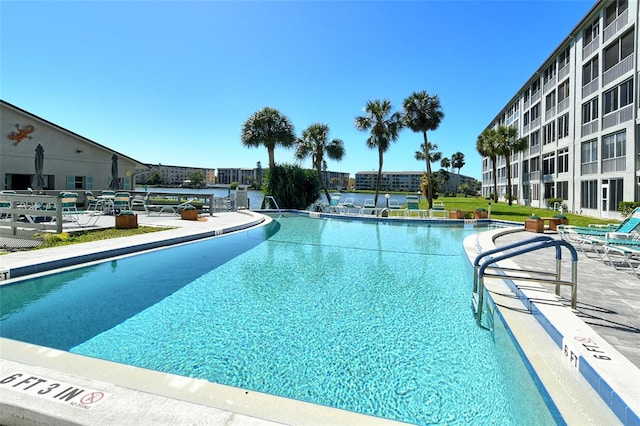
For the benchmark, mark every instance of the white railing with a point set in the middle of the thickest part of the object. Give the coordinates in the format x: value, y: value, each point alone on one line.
x: 534, y: 176
x: 618, y: 70
x: 550, y: 113
x: 614, y: 165
x: 534, y: 149
x: 535, y: 123
x: 535, y: 97
x: 590, y: 87
x: 589, y: 168
x: 550, y: 84
x: 589, y: 128
x: 525, y: 129
x: 590, y: 48
x: 19, y: 214
x: 613, y: 28
x: 563, y: 104
x: 563, y: 72
x: 620, y: 116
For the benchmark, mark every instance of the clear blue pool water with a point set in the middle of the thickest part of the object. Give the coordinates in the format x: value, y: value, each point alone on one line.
x: 364, y: 316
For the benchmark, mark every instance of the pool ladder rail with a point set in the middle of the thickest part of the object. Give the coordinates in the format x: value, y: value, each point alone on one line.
x: 273, y: 200
x: 485, y: 266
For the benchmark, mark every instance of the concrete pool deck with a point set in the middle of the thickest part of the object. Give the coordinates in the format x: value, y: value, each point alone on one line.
x: 138, y: 396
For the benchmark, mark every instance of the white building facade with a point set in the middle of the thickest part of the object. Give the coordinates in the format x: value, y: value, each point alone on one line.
x: 579, y: 114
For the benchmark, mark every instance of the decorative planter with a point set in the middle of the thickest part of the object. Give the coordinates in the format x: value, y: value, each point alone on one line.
x: 534, y: 225
x: 189, y: 214
x: 555, y: 221
x: 480, y: 214
x: 456, y: 214
x: 126, y: 221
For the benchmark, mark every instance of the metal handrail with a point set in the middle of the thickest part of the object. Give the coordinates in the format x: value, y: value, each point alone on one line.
x: 274, y: 202
x: 523, y: 247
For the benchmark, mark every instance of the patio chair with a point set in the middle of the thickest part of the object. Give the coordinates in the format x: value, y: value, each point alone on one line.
x: 122, y: 201
x: 332, y: 207
x: 413, y: 205
x: 368, y: 205
x: 346, y: 206
x: 574, y: 234
x: 437, y: 209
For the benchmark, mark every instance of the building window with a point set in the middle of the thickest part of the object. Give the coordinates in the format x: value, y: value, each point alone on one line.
x: 563, y: 160
x: 549, y: 73
x: 589, y: 194
x: 549, y: 134
x: 615, y: 9
x: 534, y: 164
x: 589, y: 157
x: 613, y: 195
x: 590, y: 110
x: 591, y: 33
x: 618, y: 50
x: 550, y: 100
x: 563, y: 91
x: 526, y: 95
x: 618, y: 97
x: 535, y: 111
x: 548, y: 164
x: 563, y: 58
x: 590, y: 71
x: 535, y: 87
x: 534, y: 139
x: 563, y: 126
x: 526, y: 119
x: 562, y: 190
x: 614, y: 145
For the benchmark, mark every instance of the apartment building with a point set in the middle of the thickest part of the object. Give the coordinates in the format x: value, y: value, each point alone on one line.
x: 177, y: 175
x: 579, y: 114
x: 407, y: 181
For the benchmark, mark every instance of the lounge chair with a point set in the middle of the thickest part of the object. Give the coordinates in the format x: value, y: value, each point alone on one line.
x: 368, y: 205
x: 574, y: 234
x: 413, y: 205
x: 70, y: 212
x: 437, y: 209
x: 346, y: 206
x: 122, y: 201
x: 332, y: 207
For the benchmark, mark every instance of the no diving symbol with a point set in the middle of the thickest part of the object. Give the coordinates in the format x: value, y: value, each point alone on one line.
x: 92, y: 398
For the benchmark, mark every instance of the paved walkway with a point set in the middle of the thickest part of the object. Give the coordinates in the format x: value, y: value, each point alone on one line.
x: 608, y: 298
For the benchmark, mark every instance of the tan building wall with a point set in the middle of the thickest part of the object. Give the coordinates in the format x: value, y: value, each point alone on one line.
x: 71, y: 162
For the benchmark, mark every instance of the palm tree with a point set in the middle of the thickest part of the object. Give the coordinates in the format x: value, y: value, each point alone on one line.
x: 315, y: 142
x: 422, y: 112
x: 445, y: 163
x: 457, y: 162
x: 507, y: 143
x: 433, y: 157
x: 268, y: 127
x: 384, y: 126
x: 486, y: 147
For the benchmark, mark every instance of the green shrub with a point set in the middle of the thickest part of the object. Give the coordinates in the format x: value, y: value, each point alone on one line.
x: 293, y: 187
x: 552, y: 202
x: 626, y: 207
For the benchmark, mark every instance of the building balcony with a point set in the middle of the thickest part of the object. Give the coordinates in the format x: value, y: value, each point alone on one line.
x: 589, y: 128
x: 614, y: 165
x: 563, y: 104
x: 590, y: 87
x: 622, y: 115
x: 614, y: 27
x: 589, y: 168
x: 550, y: 113
x: 550, y: 84
x: 590, y: 48
x: 618, y: 70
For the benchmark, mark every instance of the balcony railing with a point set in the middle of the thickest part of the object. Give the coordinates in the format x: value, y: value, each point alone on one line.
x: 550, y: 84
x: 590, y: 48
x: 551, y: 112
x: 620, y: 116
x: 563, y: 72
x: 535, y: 123
x: 534, y: 149
x: 614, y: 164
x: 589, y: 128
x: 563, y: 104
x: 535, y: 97
x: 590, y: 87
x: 589, y: 168
x: 618, y: 70
x: 613, y: 28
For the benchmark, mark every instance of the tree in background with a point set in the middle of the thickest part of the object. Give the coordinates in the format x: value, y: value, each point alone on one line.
x: 422, y: 113
x: 315, y: 143
x: 196, y: 178
x: 259, y: 173
x: 457, y: 162
x: 269, y: 128
x: 293, y: 187
x: 445, y: 163
x: 433, y: 157
x: 507, y: 143
x: 486, y: 147
x: 384, y: 127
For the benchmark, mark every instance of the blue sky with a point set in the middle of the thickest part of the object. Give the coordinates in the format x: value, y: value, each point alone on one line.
x: 172, y: 82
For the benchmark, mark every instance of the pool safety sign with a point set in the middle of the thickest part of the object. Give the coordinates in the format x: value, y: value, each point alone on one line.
x: 53, y: 390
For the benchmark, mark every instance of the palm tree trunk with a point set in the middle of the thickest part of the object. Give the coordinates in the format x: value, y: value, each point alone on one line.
x: 495, y: 181
x: 272, y: 158
x: 429, y: 182
x: 509, y: 191
x: 324, y: 187
x: 380, y: 159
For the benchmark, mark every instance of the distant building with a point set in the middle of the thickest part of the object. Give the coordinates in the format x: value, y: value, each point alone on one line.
x: 176, y: 175
x: 250, y: 176
x: 406, y: 181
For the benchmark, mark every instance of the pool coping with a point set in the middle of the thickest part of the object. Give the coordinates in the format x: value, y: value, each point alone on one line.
x: 612, y: 377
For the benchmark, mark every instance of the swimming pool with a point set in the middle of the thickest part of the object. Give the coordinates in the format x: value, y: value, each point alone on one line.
x: 372, y: 317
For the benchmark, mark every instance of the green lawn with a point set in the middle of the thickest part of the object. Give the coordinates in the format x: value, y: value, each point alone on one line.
x: 515, y: 212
